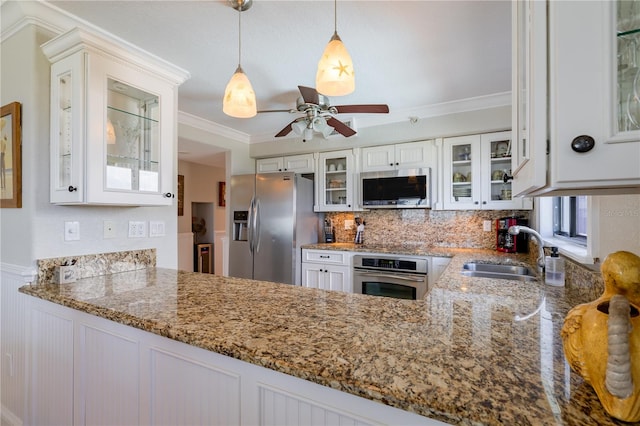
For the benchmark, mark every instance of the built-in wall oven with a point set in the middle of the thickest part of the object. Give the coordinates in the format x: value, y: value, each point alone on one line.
x: 401, y: 277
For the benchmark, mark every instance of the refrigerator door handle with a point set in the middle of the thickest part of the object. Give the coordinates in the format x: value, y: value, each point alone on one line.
x: 256, y: 225
x: 250, y: 227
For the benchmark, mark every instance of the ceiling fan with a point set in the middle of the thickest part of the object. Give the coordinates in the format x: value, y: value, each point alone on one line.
x: 318, y: 115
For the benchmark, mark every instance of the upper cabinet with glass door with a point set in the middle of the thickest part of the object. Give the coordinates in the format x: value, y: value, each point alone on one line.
x: 113, y: 122
x: 591, y: 141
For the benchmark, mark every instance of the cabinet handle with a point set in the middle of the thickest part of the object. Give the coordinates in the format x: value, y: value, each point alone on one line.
x: 72, y: 188
x: 583, y: 143
x: 324, y: 257
x: 506, y: 178
x: 168, y: 195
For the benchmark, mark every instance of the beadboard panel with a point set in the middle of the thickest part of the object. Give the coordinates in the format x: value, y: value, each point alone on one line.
x: 13, y: 343
x: 107, y: 384
x: 184, y: 391
x: 51, y: 381
x: 278, y: 408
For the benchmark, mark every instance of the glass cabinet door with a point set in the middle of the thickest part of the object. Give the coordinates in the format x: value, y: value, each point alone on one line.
x: 336, y: 181
x: 500, y: 164
x: 133, y: 139
x: 628, y: 65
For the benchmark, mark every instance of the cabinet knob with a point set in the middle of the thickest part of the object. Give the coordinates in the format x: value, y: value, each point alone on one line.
x: 397, y: 164
x: 72, y: 188
x: 475, y: 202
x: 391, y: 164
x: 484, y: 202
x: 583, y: 143
x: 506, y: 178
x: 168, y: 195
x: 279, y: 170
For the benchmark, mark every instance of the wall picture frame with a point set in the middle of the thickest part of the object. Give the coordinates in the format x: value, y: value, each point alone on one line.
x: 180, y: 195
x: 11, y: 156
x: 222, y: 194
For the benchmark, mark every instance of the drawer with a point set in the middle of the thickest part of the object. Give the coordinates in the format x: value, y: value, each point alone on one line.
x: 327, y: 257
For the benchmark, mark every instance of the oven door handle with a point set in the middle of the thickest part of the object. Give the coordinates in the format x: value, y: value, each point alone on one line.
x: 412, y: 278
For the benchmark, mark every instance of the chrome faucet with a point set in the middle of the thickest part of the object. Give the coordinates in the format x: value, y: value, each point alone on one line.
x: 516, y: 229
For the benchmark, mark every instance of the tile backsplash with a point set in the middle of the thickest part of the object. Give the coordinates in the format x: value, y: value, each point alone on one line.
x: 446, y: 228
x: 98, y: 264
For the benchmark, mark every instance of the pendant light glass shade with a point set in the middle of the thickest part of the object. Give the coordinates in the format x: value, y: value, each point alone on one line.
x: 335, y: 75
x: 239, y: 97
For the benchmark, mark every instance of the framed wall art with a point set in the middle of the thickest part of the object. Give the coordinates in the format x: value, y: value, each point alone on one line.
x: 180, y: 195
x: 222, y: 194
x: 11, y: 156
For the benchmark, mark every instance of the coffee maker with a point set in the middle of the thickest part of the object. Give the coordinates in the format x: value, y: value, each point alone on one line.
x: 508, y: 243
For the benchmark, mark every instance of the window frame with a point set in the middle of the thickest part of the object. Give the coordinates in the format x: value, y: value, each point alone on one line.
x: 560, y: 204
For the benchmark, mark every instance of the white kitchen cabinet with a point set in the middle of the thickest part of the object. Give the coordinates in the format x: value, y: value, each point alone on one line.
x: 327, y: 270
x: 591, y: 141
x: 473, y: 170
x: 394, y: 157
x: 335, y: 188
x: 304, y: 163
x: 113, y: 122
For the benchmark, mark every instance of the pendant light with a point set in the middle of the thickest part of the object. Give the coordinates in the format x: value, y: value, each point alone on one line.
x: 239, y: 98
x: 335, y: 69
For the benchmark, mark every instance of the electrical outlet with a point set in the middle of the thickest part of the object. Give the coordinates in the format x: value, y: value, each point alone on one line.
x: 348, y: 224
x: 156, y: 228
x: 72, y: 231
x: 486, y: 226
x: 109, y: 229
x: 137, y: 229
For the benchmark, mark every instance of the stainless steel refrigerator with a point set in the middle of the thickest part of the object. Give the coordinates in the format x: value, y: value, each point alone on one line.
x: 271, y: 218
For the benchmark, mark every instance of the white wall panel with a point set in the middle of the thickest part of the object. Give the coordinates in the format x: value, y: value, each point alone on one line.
x: 108, y: 371
x: 278, y: 408
x: 186, y: 392
x: 51, y: 381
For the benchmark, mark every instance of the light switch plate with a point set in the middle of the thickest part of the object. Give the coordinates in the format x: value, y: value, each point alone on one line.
x: 72, y: 231
x: 137, y: 229
x: 348, y: 224
x: 156, y: 228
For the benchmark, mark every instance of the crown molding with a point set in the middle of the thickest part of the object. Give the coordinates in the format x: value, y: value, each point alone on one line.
x: 212, y: 127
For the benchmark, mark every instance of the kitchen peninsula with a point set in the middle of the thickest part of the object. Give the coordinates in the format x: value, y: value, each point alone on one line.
x: 474, y: 351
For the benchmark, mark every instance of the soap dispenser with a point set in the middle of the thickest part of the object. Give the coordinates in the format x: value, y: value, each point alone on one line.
x: 554, y: 269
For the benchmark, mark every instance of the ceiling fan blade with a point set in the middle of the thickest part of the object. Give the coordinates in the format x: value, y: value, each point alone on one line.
x: 340, y: 127
x: 309, y: 94
x: 286, y: 130
x: 371, y: 108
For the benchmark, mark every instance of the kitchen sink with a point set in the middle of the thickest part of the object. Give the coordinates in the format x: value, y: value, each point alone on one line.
x: 498, y: 271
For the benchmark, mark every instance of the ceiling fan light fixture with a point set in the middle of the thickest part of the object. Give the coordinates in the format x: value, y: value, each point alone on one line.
x: 320, y: 125
x: 239, y: 97
x: 308, y: 134
x: 299, y: 127
x: 335, y: 76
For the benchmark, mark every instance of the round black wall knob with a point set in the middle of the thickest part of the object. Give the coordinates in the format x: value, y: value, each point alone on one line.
x: 72, y: 188
x: 583, y: 143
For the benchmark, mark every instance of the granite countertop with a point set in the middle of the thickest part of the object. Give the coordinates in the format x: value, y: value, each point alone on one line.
x: 474, y: 351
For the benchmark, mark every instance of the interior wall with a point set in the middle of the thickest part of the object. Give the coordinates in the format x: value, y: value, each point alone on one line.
x: 36, y: 231
x: 201, y: 186
x: 618, y: 224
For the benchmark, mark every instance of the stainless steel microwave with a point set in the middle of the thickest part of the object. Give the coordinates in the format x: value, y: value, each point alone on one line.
x: 397, y: 189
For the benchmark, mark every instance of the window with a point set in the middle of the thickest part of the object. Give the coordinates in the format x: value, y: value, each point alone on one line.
x: 570, y: 219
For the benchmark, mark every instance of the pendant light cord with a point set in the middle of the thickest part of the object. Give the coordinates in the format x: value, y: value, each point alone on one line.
x: 335, y: 16
x: 239, y: 32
